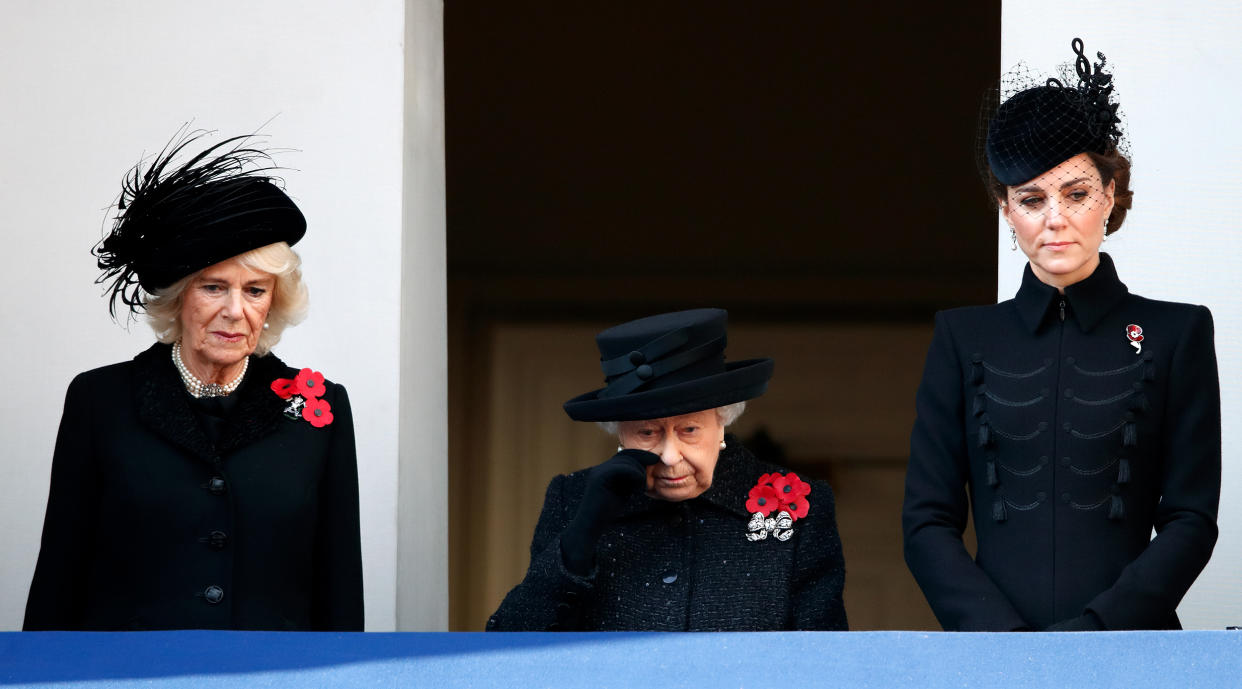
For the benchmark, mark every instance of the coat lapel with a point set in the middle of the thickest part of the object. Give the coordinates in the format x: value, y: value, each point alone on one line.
x: 164, y: 406
x: 259, y: 411
x: 737, y: 471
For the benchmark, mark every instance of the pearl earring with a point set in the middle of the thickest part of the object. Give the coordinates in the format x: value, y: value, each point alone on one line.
x: 723, y: 445
x: 266, y: 325
x: 619, y: 448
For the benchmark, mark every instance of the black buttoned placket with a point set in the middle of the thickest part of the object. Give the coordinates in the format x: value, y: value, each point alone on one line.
x: 1060, y: 498
x: 216, y: 539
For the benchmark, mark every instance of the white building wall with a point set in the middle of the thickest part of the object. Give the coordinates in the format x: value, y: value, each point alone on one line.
x: 88, y: 87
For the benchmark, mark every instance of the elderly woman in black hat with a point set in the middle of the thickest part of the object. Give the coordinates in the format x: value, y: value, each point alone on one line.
x: 683, y: 528
x: 1072, y: 419
x: 204, y: 484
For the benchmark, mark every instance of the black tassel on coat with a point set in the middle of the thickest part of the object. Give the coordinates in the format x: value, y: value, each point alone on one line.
x: 1116, y: 508
x: 998, y: 509
x: 985, y: 432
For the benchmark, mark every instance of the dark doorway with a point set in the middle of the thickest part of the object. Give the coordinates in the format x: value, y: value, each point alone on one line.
x: 807, y: 166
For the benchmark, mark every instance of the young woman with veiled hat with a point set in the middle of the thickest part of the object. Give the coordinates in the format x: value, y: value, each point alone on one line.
x: 205, y: 484
x: 1073, y: 419
x: 683, y: 528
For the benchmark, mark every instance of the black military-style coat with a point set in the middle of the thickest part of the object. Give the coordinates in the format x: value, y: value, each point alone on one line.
x: 684, y: 566
x: 151, y: 525
x: 1071, y: 438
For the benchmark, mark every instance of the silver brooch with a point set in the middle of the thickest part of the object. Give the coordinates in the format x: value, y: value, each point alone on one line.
x: 294, y: 410
x: 780, y: 527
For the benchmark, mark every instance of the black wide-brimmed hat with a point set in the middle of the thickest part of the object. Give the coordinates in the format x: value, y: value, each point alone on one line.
x: 667, y: 365
x: 1037, y: 128
x: 175, y: 220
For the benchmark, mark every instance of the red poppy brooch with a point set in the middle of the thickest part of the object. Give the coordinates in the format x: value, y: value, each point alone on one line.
x: 784, y: 495
x: 303, y: 393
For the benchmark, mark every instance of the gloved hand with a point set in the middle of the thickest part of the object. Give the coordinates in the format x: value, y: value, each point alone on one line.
x: 608, y: 487
x: 1086, y: 622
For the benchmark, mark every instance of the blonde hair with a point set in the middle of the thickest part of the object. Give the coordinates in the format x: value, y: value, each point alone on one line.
x: 289, y: 297
x: 726, y: 414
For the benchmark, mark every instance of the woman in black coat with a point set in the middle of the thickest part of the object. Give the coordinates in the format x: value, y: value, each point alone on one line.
x: 204, y: 484
x: 682, y: 529
x: 1072, y: 419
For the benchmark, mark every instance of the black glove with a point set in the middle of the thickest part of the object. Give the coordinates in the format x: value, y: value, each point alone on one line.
x: 608, y: 487
x: 1086, y: 622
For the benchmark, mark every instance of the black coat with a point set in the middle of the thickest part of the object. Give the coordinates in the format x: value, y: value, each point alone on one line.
x: 1070, y: 444
x: 672, y: 566
x: 146, y: 514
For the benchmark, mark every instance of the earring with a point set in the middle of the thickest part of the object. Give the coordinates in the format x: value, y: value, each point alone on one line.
x: 619, y: 448
x: 266, y: 325
x: 723, y: 445
x: 1013, y: 238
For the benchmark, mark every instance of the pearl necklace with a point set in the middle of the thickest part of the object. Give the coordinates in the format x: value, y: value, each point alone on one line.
x: 198, y: 388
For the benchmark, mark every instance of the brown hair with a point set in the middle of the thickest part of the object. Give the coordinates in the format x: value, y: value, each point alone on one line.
x: 1113, y: 166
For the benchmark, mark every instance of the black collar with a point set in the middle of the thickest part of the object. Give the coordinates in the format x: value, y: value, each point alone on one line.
x: 164, y: 405
x: 1089, y: 300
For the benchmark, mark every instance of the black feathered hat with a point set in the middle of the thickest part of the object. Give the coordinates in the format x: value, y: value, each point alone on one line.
x: 667, y: 365
x: 1040, y: 127
x: 175, y: 220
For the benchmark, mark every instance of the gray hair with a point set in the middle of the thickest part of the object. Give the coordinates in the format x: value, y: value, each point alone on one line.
x: 726, y: 414
x: 289, y: 298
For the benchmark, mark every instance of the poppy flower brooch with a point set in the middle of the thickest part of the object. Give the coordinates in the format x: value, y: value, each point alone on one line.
x: 303, y: 393
x: 784, y: 495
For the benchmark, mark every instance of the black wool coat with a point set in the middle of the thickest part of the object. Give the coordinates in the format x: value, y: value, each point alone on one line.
x: 684, y: 566
x: 1070, y: 443
x: 151, y: 525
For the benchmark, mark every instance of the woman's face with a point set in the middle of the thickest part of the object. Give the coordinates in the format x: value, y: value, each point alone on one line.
x: 222, y: 314
x: 688, y: 445
x: 1059, y: 220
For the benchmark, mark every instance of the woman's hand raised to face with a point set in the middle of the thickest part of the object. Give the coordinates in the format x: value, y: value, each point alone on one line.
x: 608, y: 487
x: 624, y: 473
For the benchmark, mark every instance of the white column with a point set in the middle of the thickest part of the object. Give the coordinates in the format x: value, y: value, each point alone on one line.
x: 422, y: 544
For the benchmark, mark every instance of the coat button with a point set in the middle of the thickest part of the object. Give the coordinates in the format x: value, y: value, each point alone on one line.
x: 670, y: 577
x: 214, y: 594
x: 217, y: 540
x: 1069, y: 360
x: 1065, y: 498
x: 1069, y: 392
x: 637, y: 358
x: 644, y: 372
x: 216, y: 486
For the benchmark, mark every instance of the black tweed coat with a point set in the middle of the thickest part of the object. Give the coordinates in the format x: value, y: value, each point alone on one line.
x: 674, y: 566
x: 151, y: 525
x: 1070, y: 444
